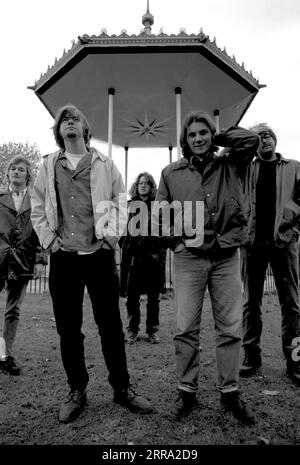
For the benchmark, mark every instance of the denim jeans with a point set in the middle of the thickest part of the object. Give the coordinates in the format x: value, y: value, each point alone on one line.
x: 69, y: 274
x: 220, y: 273
x: 284, y: 264
x: 16, y: 290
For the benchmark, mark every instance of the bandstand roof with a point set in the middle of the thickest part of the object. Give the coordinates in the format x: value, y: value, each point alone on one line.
x: 144, y: 70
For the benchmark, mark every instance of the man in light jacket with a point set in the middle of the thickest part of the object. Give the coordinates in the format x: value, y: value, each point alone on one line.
x: 272, y: 194
x: 210, y: 184
x: 77, y: 213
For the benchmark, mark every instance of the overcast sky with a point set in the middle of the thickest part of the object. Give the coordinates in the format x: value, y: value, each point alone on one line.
x: 264, y: 34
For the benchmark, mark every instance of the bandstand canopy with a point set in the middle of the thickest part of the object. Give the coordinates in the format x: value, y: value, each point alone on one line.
x: 144, y: 72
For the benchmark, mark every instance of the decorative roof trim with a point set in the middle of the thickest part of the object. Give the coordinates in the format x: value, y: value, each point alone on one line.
x: 143, y: 39
x: 104, y: 37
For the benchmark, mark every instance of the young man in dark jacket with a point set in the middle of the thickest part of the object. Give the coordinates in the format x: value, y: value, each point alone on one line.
x: 272, y: 193
x: 21, y: 258
x: 208, y: 185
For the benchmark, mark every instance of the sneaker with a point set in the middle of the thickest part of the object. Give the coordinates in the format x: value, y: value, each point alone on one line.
x: 293, y: 371
x: 233, y: 403
x: 252, y: 362
x: 9, y: 366
x: 184, y: 404
x: 153, y: 338
x: 132, y: 337
x: 129, y: 398
x: 72, y: 406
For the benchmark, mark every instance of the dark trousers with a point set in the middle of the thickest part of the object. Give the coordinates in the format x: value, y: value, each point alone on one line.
x: 284, y: 265
x: 133, y: 307
x: 69, y: 274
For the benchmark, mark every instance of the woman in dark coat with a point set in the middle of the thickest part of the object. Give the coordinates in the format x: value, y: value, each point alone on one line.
x: 143, y: 260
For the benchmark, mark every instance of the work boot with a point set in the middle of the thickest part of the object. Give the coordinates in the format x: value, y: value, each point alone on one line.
x: 72, y: 407
x: 184, y: 404
x: 233, y: 403
x: 129, y: 398
x: 252, y: 362
x: 131, y: 337
x: 153, y: 338
x: 9, y: 366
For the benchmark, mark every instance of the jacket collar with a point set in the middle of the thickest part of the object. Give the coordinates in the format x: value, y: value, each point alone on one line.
x: 95, y: 154
x: 7, y: 200
x: 279, y: 157
x: 184, y: 162
x: 23, y: 192
x: 179, y: 164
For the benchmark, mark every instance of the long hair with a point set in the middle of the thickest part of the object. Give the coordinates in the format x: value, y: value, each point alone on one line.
x: 70, y: 110
x: 15, y: 161
x: 195, y: 117
x: 133, y: 192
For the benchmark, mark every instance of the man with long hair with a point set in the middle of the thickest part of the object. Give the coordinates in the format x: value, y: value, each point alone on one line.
x: 205, y: 181
x: 143, y: 261
x: 74, y: 187
x: 21, y: 257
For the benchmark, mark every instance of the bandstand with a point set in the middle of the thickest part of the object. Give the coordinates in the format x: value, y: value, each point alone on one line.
x: 135, y: 89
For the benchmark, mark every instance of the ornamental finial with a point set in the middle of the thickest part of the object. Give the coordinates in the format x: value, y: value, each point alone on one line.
x: 148, y: 20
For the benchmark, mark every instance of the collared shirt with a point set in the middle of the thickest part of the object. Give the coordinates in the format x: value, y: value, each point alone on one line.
x: 18, y: 197
x: 75, y: 210
x: 106, y: 185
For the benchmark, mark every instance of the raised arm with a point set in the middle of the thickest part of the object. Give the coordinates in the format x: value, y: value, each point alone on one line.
x: 240, y: 145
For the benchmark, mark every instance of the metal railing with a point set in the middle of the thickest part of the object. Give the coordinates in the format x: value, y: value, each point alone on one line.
x: 269, y: 286
x: 40, y: 285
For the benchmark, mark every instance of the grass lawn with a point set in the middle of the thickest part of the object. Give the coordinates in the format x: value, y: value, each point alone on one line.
x: 29, y: 403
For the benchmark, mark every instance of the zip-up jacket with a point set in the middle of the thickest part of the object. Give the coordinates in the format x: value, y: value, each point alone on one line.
x: 287, y: 218
x: 219, y: 188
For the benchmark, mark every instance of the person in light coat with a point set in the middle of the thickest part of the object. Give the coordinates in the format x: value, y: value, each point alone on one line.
x: 77, y: 213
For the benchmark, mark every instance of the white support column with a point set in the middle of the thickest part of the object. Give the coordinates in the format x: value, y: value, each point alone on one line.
x: 126, y: 167
x: 111, y: 93
x: 217, y: 120
x: 178, y: 119
x: 170, y: 154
